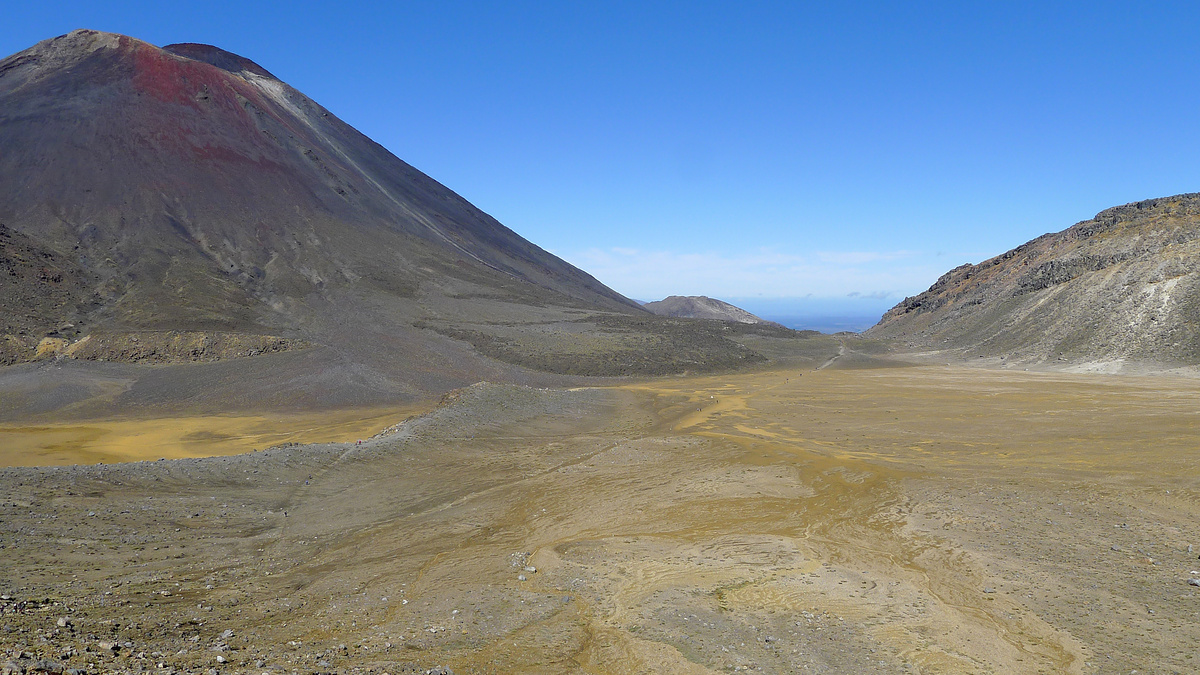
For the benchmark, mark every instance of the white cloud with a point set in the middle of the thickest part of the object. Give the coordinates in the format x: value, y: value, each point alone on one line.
x: 650, y: 275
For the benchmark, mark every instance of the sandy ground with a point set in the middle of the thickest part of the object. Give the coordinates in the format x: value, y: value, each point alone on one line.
x: 110, y: 441
x: 923, y: 520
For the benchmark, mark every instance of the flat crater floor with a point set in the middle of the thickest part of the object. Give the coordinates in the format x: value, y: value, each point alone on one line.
x: 899, y: 520
x: 111, y: 441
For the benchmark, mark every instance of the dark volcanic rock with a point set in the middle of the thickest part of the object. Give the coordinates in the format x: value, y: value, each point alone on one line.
x: 42, y: 291
x: 1121, y: 288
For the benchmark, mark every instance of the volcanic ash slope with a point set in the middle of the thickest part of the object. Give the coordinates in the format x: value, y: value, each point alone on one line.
x: 153, y: 200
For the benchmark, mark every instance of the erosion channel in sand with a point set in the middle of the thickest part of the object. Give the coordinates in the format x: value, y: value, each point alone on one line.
x: 924, y: 519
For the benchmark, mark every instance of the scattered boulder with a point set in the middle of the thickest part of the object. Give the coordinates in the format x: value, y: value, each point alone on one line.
x: 48, y: 666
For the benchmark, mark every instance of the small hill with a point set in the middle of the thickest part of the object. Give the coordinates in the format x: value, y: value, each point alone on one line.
x: 702, y: 307
x: 1119, y: 289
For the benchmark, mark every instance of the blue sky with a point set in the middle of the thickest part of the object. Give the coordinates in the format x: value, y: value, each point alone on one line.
x: 808, y: 157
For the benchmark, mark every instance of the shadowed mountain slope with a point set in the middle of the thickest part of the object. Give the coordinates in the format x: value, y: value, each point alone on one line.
x: 181, y: 204
x: 1121, y: 288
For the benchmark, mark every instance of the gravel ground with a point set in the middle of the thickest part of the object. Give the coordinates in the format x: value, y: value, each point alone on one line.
x: 923, y: 520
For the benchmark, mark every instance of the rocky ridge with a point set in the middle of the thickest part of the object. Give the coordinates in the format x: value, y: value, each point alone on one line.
x: 1118, y: 291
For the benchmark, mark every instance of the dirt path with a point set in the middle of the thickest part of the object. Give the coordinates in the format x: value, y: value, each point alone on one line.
x: 840, y: 353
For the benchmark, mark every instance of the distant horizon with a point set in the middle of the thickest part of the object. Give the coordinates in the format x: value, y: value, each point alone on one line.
x: 827, y: 315
x: 825, y: 324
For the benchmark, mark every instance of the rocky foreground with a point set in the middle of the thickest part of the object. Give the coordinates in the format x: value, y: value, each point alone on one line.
x: 896, y: 520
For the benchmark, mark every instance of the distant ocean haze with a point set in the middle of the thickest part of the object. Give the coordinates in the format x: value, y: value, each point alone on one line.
x: 827, y: 315
x: 825, y: 324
